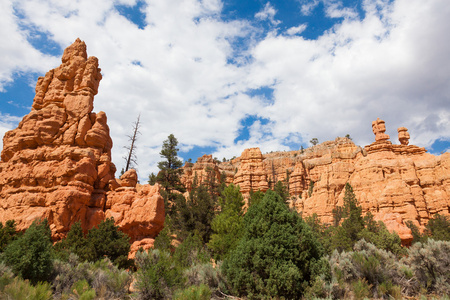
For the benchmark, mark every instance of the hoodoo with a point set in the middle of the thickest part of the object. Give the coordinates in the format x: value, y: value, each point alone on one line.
x: 395, y: 182
x: 57, y: 163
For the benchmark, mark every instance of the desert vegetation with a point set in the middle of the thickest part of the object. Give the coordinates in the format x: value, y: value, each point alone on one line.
x: 213, y: 246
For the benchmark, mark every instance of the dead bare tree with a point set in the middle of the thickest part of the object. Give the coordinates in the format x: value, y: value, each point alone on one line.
x: 131, y: 158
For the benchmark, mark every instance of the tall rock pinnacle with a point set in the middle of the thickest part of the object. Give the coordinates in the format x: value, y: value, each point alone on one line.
x: 57, y: 163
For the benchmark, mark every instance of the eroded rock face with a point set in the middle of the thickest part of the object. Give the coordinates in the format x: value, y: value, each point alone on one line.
x: 251, y: 174
x: 396, y: 183
x: 199, y: 171
x: 57, y: 163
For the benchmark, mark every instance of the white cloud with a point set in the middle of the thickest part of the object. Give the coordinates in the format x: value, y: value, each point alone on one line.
x: 296, y: 29
x: 268, y: 13
x: 7, y: 122
x: 17, y: 55
x: 392, y: 64
x: 308, y: 7
x: 388, y: 65
x: 333, y: 8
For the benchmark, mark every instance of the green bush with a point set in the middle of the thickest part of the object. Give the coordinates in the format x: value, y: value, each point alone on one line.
x: 104, y: 240
x: 108, y: 240
x: 191, y: 251
x: 30, y: 256
x: 157, y: 276
x: 277, y: 254
x: 6, y: 276
x: 438, y: 228
x: 106, y: 279
x: 20, y: 289
x: 82, y: 290
x: 75, y: 242
x: 201, y: 292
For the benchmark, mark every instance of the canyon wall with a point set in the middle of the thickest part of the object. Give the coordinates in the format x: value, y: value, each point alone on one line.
x: 396, y: 183
x: 57, y: 163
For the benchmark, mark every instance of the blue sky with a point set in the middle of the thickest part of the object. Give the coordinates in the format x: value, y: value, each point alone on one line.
x: 223, y: 76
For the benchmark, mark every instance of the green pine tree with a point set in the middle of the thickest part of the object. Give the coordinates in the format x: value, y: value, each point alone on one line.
x: 277, y: 255
x: 31, y: 255
x: 227, y: 225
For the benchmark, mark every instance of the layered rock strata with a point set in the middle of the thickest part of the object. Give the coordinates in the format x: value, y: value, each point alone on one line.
x: 396, y: 183
x: 57, y: 163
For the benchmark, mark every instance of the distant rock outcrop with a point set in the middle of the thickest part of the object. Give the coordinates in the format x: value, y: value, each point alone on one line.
x: 396, y: 183
x: 57, y: 163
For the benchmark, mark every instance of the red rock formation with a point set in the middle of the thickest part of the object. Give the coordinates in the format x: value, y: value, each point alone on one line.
x: 57, y: 163
x: 403, y: 135
x: 251, y: 174
x: 396, y: 183
x: 199, y: 171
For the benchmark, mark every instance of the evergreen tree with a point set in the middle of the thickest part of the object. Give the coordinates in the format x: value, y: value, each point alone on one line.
x: 152, y: 179
x: 277, y: 255
x: 255, y: 197
x: 196, y: 214
x: 104, y: 240
x: 30, y: 256
x: 170, y: 172
x: 227, y: 225
x: 353, y: 223
x: 108, y: 240
x: 8, y: 234
x: 354, y: 227
x: 438, y: 228
x: 282, y: 190
x: 169, y: 176
x: 75, y: 242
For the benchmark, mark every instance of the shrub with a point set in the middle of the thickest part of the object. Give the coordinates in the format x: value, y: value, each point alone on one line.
x: 276, y: 255
x: 108, y: 240
x: 20, y: 289
x: 82, y: 290
x: 30, y: 256
x: 368, y: 266
x: 104, y: 240
x: 106, y: 279
x: 75, y: 242
x: 6, y: 276
x: 430, y: 263
x: 438, y: 228
x: 157, y: 276
x: 201, y: 292
x: 206, y: 274
x: 190, y: 252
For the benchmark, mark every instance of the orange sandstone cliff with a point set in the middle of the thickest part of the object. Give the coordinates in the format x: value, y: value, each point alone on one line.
x: 57, y: 163
x: 396, y: 183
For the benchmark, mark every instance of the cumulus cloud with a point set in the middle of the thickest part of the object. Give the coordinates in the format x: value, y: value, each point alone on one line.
x: 268, y: 13
x: 386, y: 65
x: 178, y: 72
x: 17, y: 54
